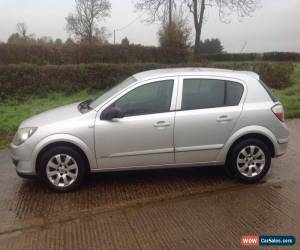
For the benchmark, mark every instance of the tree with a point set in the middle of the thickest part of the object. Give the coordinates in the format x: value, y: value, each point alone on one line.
x: 101, y: 35
x: 83, y: 23
x: 211, y: 46
x: 125, y: 41
x: 45, y: 40
x: 22, y: 29
x: 161, y: 10
x: 14, y: 38
x: 69, y: 41
x: 21, y: 36
x: 198, y: 7
x: 176, y: 34
x: 58, y: 41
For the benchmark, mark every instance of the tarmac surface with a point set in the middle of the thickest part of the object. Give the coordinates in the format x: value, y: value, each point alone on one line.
x: 192, y: 208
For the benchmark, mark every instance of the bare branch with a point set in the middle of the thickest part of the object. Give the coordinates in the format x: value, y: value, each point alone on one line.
x: 83, y: 23
x: 22, y: 29
x: 197, y: 8
x: 243, y: 8
x: 157, y: 10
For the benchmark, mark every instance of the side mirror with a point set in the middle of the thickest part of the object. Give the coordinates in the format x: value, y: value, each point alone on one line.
x: 111, y: 113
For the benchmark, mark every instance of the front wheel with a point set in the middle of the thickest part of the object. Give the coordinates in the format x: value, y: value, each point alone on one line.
x: 250, y: 160
x: 62, y: 168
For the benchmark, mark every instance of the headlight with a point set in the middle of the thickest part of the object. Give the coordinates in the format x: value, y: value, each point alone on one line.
x: 22, y: 135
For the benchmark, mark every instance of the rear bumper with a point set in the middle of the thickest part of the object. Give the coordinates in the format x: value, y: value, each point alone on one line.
x: 281, y: 147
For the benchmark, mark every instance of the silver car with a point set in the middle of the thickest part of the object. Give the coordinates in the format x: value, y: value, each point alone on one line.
x: 157, y: 119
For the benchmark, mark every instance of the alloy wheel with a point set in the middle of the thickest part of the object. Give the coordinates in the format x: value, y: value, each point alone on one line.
x: 251, y: 161
x: 62, y: 170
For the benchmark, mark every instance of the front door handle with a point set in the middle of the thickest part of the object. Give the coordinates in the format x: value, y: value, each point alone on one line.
x: 224, y: 118
x: 161, y: 124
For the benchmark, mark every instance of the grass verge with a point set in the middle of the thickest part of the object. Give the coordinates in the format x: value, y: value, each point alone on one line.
x: 290, y: 97
x: 14, y: 112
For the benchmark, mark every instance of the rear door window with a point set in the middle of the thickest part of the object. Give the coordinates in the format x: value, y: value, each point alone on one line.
x: 210, y: 93
x: 233, y: 94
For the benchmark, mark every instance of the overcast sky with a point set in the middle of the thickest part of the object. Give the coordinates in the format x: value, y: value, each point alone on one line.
x: 275, y: 26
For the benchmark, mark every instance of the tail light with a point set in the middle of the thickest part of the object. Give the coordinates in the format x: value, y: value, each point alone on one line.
x: 279, y: 112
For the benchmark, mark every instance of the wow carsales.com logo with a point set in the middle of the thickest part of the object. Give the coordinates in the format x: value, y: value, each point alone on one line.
x: 267, y: 240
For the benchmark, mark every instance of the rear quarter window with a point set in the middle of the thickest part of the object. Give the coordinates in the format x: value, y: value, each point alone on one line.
x: 269, y: 91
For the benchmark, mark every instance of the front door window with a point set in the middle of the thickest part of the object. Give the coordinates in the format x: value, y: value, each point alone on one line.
x: 150, y: 98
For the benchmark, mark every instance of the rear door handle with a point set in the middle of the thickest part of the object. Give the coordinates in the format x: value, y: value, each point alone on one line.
x: 224, y: 118
x: 161, y: 124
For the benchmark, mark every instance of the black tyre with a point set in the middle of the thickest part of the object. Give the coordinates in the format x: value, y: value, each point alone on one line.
x: 249, y: 160
x: 62, y: 168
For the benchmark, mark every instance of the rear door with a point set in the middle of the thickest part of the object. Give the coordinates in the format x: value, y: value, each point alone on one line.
x: 207, y: 110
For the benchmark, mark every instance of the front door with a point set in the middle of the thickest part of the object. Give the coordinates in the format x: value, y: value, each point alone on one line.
x: 206, y: 115
x: 144, y: 136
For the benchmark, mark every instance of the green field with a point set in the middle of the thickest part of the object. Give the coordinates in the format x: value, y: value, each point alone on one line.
x: 13, y: 112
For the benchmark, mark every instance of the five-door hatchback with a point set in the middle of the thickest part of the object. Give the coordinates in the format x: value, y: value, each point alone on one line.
x: 157, y: 119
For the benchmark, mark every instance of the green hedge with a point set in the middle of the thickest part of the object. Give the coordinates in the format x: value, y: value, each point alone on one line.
x: 276, y: 75
x: 43, y: 54
x: 85, y: 53
x: 24, y: 80
x: 232, y: 57
x: 281, y: 56
x: 269, y: 56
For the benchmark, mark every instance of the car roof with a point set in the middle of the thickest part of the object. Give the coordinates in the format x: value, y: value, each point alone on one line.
x: 169, y: 72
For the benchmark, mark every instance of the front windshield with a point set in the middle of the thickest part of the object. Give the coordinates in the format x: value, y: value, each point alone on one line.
x: 112, y: 91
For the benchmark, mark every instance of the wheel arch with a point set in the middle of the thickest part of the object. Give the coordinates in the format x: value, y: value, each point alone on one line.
x: 256, y: 132
x: 65, y: 140
x: 56, y: 144
x: 258, y: 136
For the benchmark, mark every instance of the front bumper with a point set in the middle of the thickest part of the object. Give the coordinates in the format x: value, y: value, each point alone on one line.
x: 21, y: 158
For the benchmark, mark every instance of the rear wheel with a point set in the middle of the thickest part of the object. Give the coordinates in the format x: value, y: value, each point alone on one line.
x: 62, y: 168
x: 250, y: 160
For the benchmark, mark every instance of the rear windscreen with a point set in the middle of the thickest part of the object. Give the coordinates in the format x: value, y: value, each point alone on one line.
x: 274, y: 99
